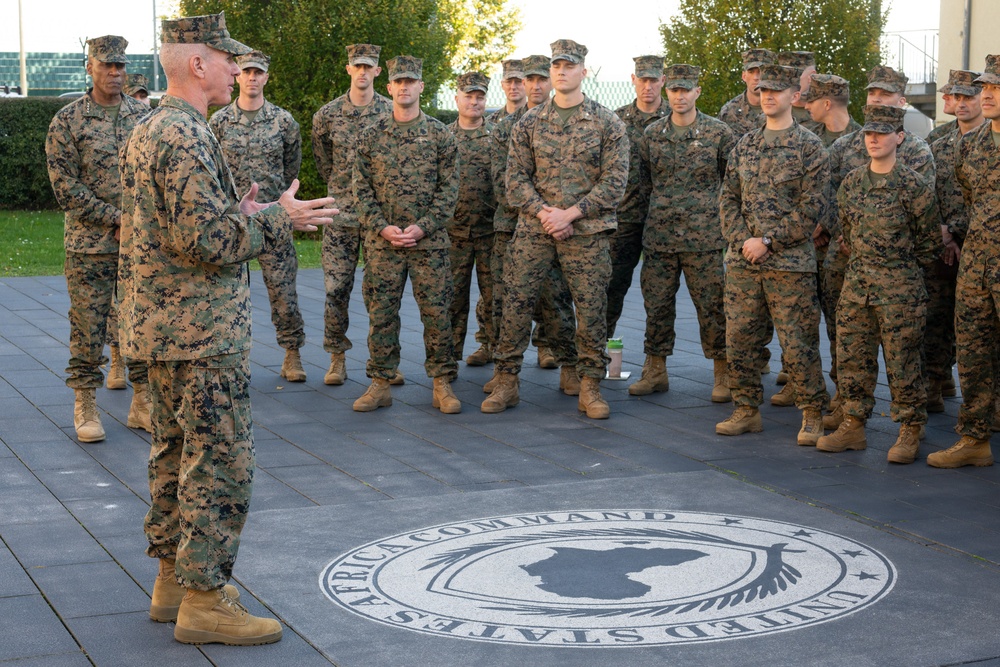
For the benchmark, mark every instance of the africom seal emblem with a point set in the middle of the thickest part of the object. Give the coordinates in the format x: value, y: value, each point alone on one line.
x: 608, y: 578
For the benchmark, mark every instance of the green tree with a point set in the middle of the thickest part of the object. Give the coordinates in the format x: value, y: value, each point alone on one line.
x: 844, y: 35
x: 306, y: 41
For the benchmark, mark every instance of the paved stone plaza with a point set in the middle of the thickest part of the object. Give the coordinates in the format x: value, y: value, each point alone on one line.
x: 536, y: 536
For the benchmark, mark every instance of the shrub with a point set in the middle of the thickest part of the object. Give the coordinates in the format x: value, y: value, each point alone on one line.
x: 24, y: 179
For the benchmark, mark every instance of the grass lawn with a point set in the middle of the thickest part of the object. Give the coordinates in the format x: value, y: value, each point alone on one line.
x: 31, y: 244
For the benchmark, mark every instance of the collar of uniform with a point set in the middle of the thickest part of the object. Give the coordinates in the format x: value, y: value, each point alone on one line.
x: 632, y: 110
x: 890, y: 181
x: 347, y: 107
x: 236, y: 115
x: 417, y: 129
x: 586, y: 112
x: 485, y: 129
x: 183, y: 105
x: 785, y: 139
x: 687, y: 132
x: 92, y: 109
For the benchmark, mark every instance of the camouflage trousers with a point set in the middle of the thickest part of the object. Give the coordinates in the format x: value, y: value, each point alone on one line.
x: 754, y: 296
x: 280, y: 269
x: 464, y: 255
x: 385, y: 276
x: 626, y: 249
x: 340, y: 264
x: 586, y: 265
x: 977, y: 334
x: 900, y: 327
x: 555, y: 320
x: 201, y: 465
x: 91, y: 281
x: 939, y: 339
x: 704, y: 276
x: 832, y: 265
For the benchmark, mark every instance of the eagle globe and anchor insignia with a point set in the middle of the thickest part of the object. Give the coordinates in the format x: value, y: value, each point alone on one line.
x: 608, y: 578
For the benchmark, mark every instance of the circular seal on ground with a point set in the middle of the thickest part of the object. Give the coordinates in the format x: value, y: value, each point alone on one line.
x: 608, y: 578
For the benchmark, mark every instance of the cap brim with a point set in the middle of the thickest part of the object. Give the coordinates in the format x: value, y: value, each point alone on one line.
x: 404, y: 75
x: 230, y: 45
x: 687, y: 84
x: 121, y: 60
x: 772, y: 85
x: 469, y: 89
x: 880, y: 127
x: 565, y: 56
x: 993, y: 79
x: 753, y: 65
x: 247, y: 65
x: 888, y: 87
x: 649, y: 74
x: 538, y: 72
x: 513, y: 75
x: 969, y: 91
x: 364, y: 60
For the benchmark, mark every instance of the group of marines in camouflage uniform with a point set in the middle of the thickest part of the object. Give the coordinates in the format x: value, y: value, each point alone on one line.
x: 772, y: 219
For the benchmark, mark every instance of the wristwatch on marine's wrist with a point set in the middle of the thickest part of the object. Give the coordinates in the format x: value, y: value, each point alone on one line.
x: 766, y: 240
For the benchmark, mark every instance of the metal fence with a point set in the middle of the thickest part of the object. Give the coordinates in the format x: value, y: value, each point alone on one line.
x: 57, y: 73
x: 612, y: 94
x: 913, y: 52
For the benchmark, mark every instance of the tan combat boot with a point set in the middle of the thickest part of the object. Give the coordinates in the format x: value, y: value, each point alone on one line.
x: 948, y: 388
x: 444, y: 398
x: 116, y: 372
x: 907, y: 444
x: 480, y: 357
x: 212, y: 617
x: 968, y: 451
x: 138, y: 411
x: 291, y: 367
x: 782, y: 377
x: 397, y: 379
x: 86, y: 418
x: 504, y: 395
x: 167, y: 593
x: 546, y: 359
x: 784, y: 398
x: 569, y: 381
x: 654, y: 377
x: 491, y: 384
x: 743, y: 420
x: 377, y: 396
x: 337, y: 374
x: 590, y: 400
x: 812, y: 427
x: 720, y: 390
x: 935, y: 403
x: 832, y: 421
x: 849, y: 435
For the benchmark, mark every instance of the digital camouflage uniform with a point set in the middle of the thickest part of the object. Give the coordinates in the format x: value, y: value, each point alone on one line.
x: 335, y: 130
x: 847, y: 154
x: 977, y: 295
x: 775, y: 189
x: 556, y: 321
x: 683, y: 233
x: 740, y: 115
x: 891, y: 227
x: 185, y: 307
x: 939, y: 338
x: 626, y: 242
x: 83, y: 147
x: 584, y: 163
x: 941, y: 130
x: 471, y: 228
x: 402, y: 177
x: 268, y: 151
x: 829, y: 85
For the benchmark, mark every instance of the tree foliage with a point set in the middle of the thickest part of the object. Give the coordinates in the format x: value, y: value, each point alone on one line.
x: 306, y: 41
x: 844, y: 35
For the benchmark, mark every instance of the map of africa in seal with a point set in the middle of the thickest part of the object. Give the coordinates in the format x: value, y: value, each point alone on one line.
x: 608, y: 578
